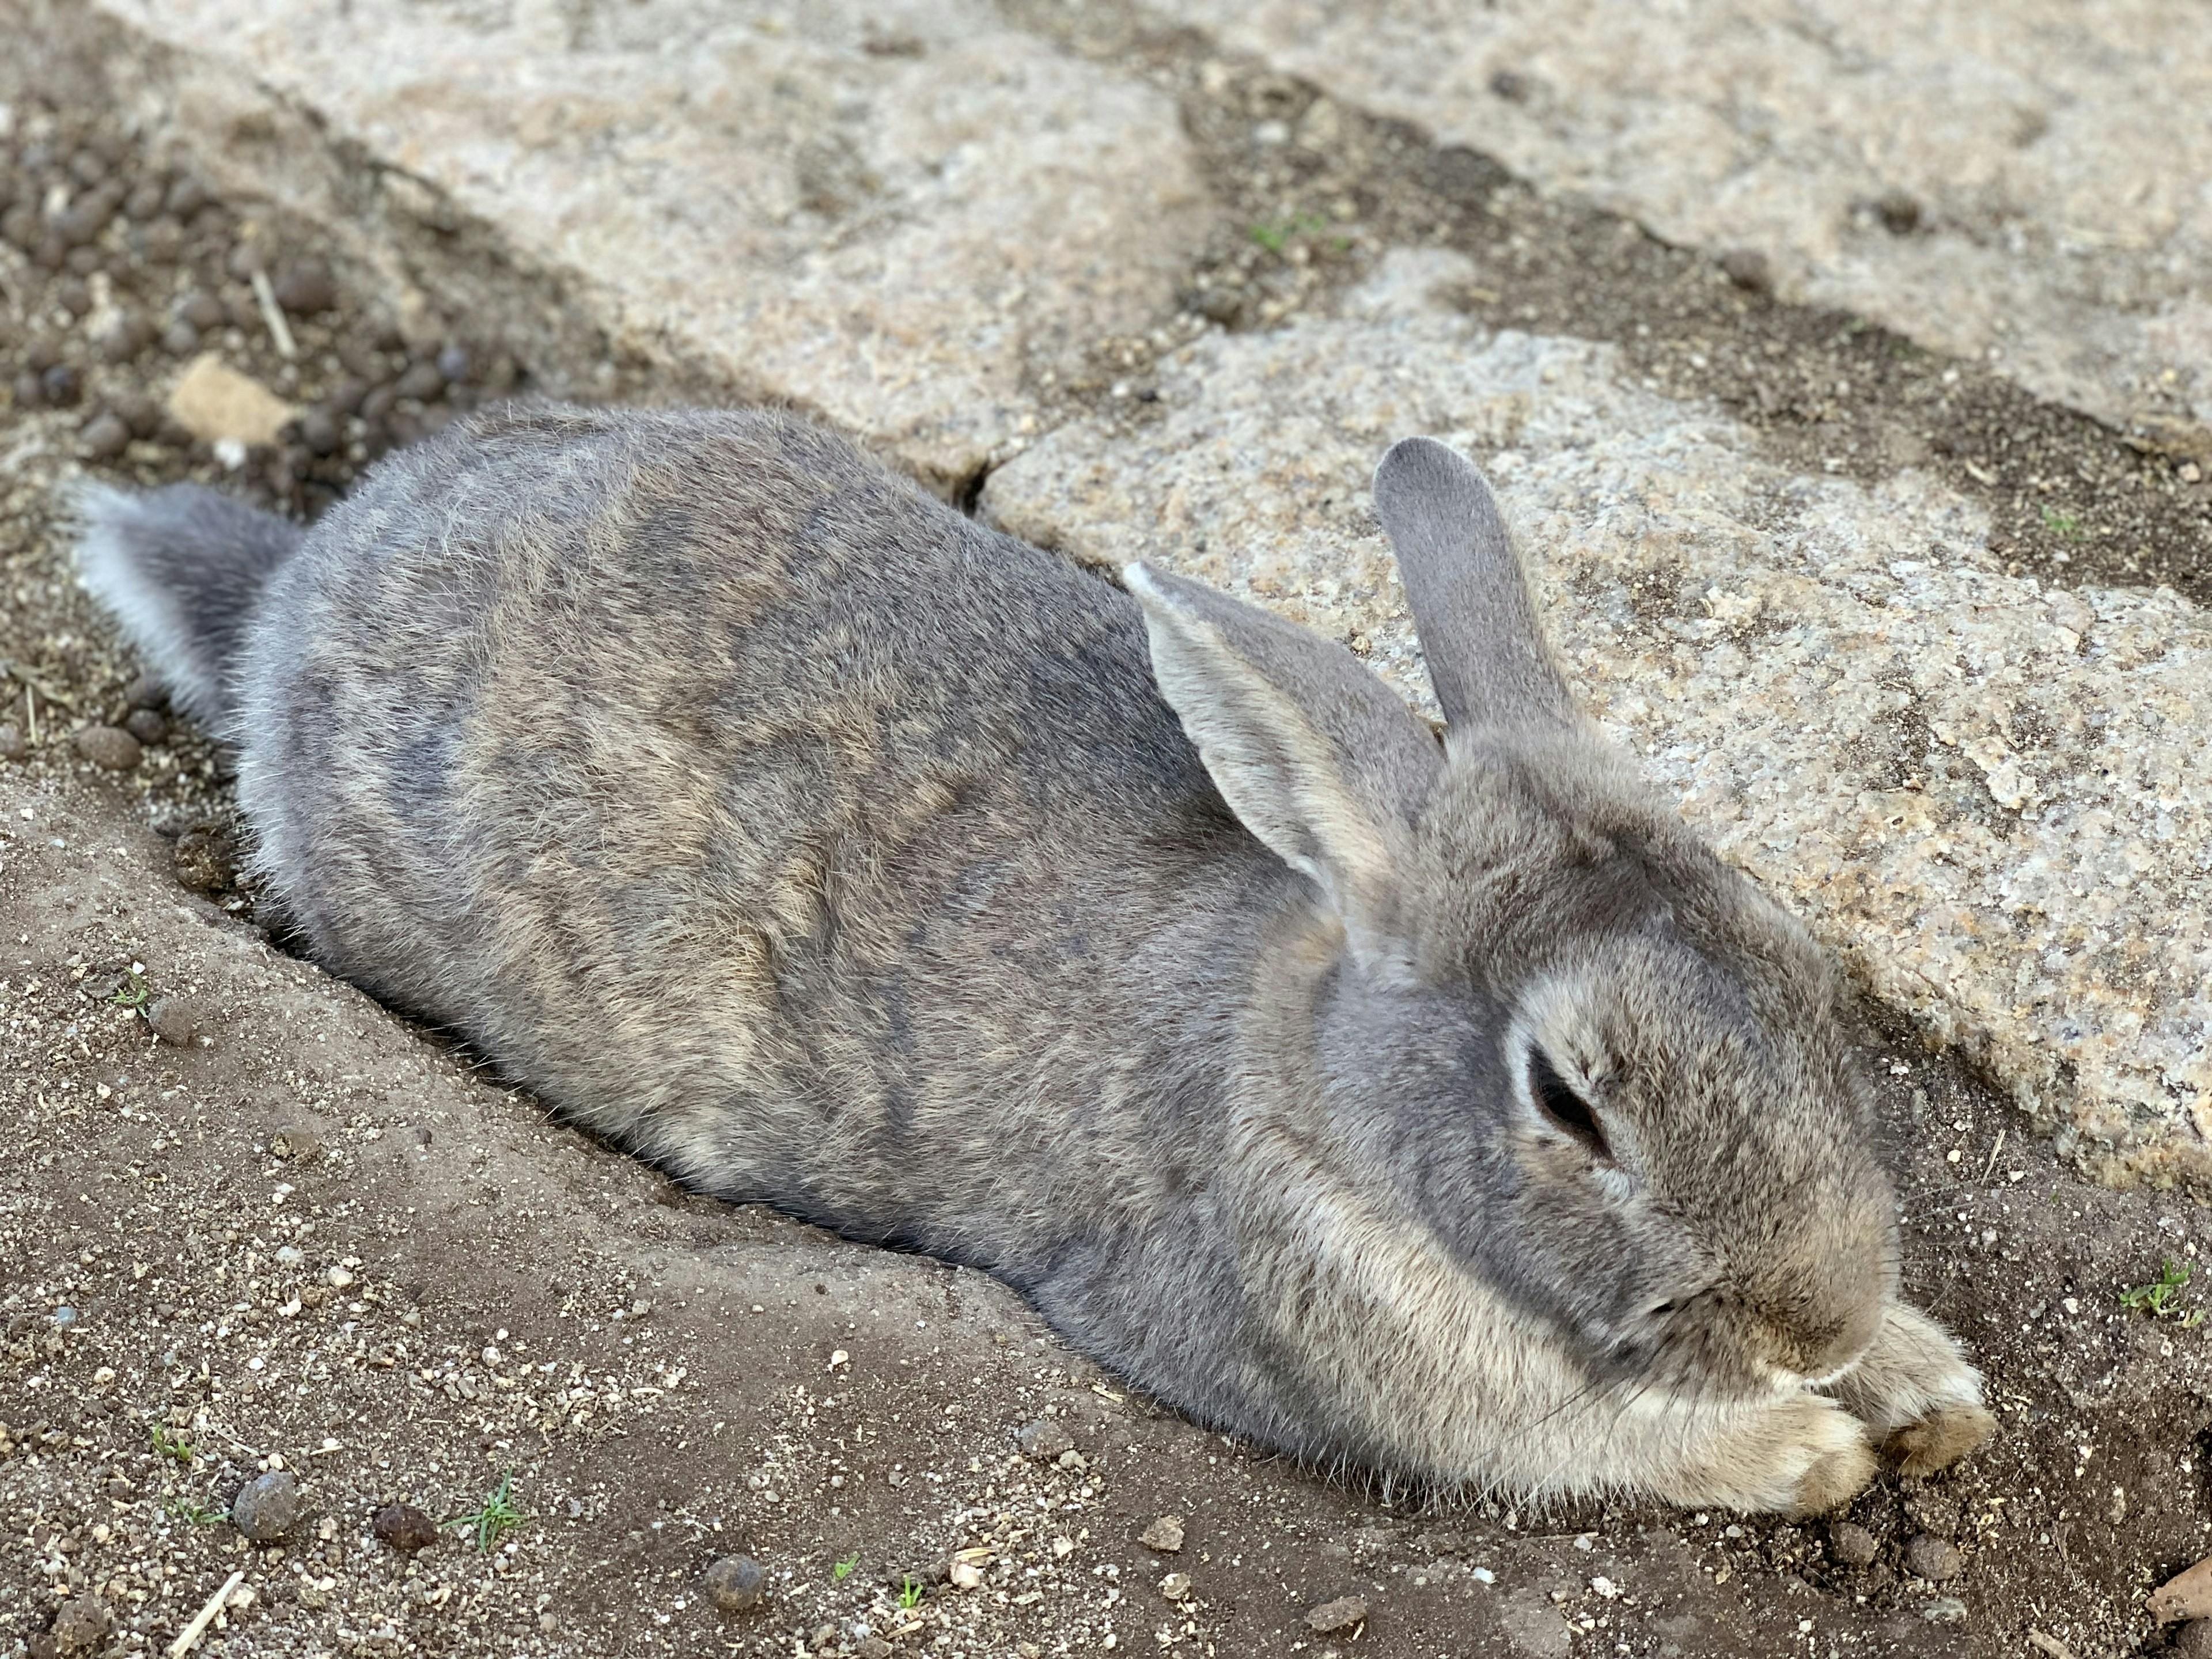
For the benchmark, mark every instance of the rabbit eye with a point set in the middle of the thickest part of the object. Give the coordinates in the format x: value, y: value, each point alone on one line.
x: 1567, y: 1109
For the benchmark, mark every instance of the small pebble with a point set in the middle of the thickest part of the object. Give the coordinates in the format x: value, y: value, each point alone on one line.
x: 61, y: 386
x: 1945, y: 1610
x: 1341, y: 1615
x: 1176, y: 1586
x: 180, y: 339
x: 138, y: 412
x: 1899, y: 212
x: 318, y: 431
x: 267, y: 1507
x: 1044, y: 1439
x: 736, y: 1582
x: 1163, y: 1536
x: 131, y: 334
x: 179, y: 1021
x: 105, y: 437
x: 148, y: 725
x: 305, y: 289
x: 2194, y: 1640
x: 1933, y: 1558
x: 404, y: 1528
x: 146, y: 692
x: 108, y: 746
x: 1851, y: 1543
x: 12, y: 746
x: 454, y: 363
x: 1748, y: 269
x: 201, y: 310
x: 423, y: 383
x: 300, y: 1146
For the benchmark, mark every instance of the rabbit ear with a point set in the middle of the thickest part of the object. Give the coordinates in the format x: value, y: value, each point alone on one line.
x: 1321, y: 760
x: 1470, y: 598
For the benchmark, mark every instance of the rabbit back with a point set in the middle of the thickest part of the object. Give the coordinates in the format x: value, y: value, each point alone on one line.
x: 761, y: 813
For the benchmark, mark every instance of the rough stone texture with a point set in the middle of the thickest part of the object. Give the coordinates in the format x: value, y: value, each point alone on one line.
x: 889, y: 214
x: 1987, y: 797
x: 2008, y: 177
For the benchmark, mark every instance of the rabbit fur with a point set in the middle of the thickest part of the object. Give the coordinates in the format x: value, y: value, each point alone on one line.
x: 1439, y: 1106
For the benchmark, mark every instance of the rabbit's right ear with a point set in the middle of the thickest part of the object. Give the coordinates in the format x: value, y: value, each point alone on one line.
x: 1469, y: 596
x: 1321, y: 760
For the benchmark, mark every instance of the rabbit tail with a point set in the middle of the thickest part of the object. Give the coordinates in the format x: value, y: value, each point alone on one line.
x: 182, y: 568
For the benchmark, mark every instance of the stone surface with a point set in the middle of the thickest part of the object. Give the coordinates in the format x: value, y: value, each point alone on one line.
x: 1985, y: 795
x: 216, y: 403
x: 2186, y: 1596
x: 891, y: 238
x: 2006, y: 178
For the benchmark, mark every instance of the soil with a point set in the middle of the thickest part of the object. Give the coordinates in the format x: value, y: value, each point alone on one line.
x: 250, y: 1222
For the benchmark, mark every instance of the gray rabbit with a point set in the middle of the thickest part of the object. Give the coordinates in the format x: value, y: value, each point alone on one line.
x: 1435, y: 1105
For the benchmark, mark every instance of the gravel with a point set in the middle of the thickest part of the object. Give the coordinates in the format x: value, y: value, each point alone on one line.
x: 109, y: 747
x: 1046, y: 1440
x: 1164, y: 1535
x: 180, y: 1021
x: 737, y: 1582
x: 267, y: 1507
x: 81, y: 1624
x: 1851, y: 1544
x: 1934, y: 1559
x: 1341, y: 1615
x: 404, y: 1528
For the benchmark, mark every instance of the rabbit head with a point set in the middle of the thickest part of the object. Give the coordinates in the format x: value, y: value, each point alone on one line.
x: 1538, y: 1022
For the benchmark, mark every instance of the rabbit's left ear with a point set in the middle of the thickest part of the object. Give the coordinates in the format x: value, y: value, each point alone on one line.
x: 1321, y: 760
x: 1469, y: 595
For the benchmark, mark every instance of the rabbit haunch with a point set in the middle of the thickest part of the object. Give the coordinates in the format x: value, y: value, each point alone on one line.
x: 1440, y: 1107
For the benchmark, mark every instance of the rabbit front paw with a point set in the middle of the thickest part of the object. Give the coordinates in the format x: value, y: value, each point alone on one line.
x: 1916, y: 1392
x: 1802, y: 1455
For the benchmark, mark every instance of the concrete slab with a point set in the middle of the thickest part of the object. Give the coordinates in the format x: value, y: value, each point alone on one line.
x: 2016, y: 180
x: 889, y: 215
x: 1985, y: 794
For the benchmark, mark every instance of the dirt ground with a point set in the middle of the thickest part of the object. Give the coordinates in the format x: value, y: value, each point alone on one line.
x: 251, y: 1225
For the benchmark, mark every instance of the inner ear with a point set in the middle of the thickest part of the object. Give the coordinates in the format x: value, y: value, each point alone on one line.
x: 1321, y: 761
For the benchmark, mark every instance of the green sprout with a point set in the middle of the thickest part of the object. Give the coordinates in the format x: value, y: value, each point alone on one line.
x: 496, y: 1517
x: 1275, y: 238
x: 844, y: 1570
x: 2067, y: 526
x: 133, y: 992
x: 199, y: 1514
x: 2161, y: 1297
x: 171, y: 1443
x: 910, y: 1591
